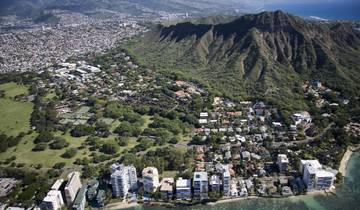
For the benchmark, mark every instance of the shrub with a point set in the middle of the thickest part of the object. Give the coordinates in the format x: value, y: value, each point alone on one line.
x: 174, y: 140
x: 109, y: 148
x: 59, y: 143
x: 40, y: 147
x: 59, y: 165
x: 123, y: 141
x: 44, y: 136
x: 69, y: 153
x: 82, y: 130
x: 127, y: 129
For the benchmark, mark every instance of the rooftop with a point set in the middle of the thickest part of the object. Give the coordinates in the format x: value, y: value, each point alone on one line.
x: 183, y: 183
x: 80, y: 195
x: 167, y: 184
x: 71, y: 177
x: 57, y: 184
x: 52, y: 195
x: 323, y: 173
x: 200, y: 176
x: 314, y: 163
x: 282, y: 158
x: 150, y: 171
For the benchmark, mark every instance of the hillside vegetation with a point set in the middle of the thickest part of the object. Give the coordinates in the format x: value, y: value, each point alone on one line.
x: 267, y: 55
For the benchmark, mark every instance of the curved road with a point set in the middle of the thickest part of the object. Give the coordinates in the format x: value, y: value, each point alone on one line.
x: 305, y: 141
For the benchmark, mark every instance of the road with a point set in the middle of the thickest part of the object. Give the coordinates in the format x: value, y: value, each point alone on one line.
x: 305, y: 141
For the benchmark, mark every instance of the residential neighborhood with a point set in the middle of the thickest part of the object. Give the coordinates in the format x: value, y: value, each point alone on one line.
x: 126, y: 135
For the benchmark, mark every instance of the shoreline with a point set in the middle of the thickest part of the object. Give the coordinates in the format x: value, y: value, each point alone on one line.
x: 121, y: 205
x: 346, y: 157
x: 229, y: 200
x: 342, y: 168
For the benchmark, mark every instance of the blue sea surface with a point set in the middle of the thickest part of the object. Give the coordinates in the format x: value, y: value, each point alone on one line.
x: 347, y: 198
x: 347, y: 10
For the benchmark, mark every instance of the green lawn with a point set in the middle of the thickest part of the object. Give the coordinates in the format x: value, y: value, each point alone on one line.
x: 24, y: 154
x: 12, y: 89
x: 15, y: 116
x: 169, y: 174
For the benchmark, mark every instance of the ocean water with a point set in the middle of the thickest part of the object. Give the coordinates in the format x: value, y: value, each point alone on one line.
x: 338, y: 10
x: 347, y: 198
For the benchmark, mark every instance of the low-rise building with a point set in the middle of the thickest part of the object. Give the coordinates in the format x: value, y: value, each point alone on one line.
x: 7, y: 185
x: 282, y: 163
x: 92, y: 189
x: 167, y: 188
x: 234, y: 192
x: 246, y: 155
x: 301, y: 118
x: 100, y: 198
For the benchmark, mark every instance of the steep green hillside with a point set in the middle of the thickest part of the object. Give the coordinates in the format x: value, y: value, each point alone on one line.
x: 267, y: 55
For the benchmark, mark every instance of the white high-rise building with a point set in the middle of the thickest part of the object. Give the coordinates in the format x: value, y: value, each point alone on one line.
x: 52, y: 201
x: 72, y: 187
x: 150, y: 179
x: 226, y: 181
x: 201, y: 184
x: 282, y: 162
x: 183, y: 189
x: 123, y: 179
x: 314, y: 176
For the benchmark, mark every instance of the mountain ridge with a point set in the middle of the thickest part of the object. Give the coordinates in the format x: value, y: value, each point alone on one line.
x: 256, y: 53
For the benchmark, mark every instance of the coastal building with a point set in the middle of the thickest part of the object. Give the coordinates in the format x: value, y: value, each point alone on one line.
x: 314, y: 176
x: 233, y: 188
x: 183, y: 189
x: 80, y: 200
x: 215, y: 183
x: 150, y: 177
x: 324, y: 180
x: 123, y: 179
x: 100, y: 198
x: 201, y: 184
x: 226, y: 178
x: 93, y: 186
x: 167, y: 188
x: 72, y: 187
x: 282, y: 163
x: 57, y: 184
x: 52, y: 201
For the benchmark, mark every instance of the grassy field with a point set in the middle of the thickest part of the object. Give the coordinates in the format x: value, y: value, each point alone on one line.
x: 12, y: 89
x: 25, y: 155
x: 15, y: 118
x: 47, y: 158
x: 15, y: 115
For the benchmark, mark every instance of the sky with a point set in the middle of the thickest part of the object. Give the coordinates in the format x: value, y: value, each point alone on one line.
x: 327, y: 9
